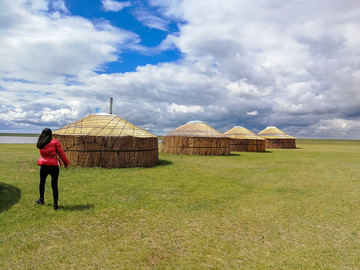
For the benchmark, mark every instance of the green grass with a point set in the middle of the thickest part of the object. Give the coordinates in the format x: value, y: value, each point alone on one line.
x: 283, y: 209
x: 20, y: 134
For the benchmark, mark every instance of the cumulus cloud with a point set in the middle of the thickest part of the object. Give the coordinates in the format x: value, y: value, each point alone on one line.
x: 51, y: 116
x: 253, y: 113
x: 42, y: 48
x: 243, y: 89
x: 336, y: 128
x: 296, y: 58
x: 283, y: 63
x: 175, y: 108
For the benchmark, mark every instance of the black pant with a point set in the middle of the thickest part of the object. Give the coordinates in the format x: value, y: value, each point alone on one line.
x: 54, y: 172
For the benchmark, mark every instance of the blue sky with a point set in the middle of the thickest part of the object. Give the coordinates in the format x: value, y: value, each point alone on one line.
x: 129, y: 18
x: 166, y: 62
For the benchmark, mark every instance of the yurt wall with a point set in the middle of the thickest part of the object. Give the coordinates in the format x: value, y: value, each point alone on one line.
x: 196, y: 138
x: 108, y: 141
x: 276, y: 138
x: 243, y: 140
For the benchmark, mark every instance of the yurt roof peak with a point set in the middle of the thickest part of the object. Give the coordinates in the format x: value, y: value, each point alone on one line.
x: 195, y: 129
x: 103, y: 124
x: 195, y: 122
x: 102, y: 114
x: 274, y: 132
x: 239, y: 132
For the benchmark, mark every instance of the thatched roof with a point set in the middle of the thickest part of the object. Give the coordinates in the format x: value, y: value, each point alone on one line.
x: 196, y: 129
x: 103, y: 124
x: 239, y: 132
x: 274, y: 133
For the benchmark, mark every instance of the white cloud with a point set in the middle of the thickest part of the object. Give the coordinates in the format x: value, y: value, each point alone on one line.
x: 175, y: 108
x: 41, y: 48
x: 111, y: 5
x: 253, y: 113
x: 37, y: 5
x: 49, y: 115
x: 243, y: 89
x: 337, y: 128
x: 150, y: 20
x: 11, y: 114
x: 59, y: 5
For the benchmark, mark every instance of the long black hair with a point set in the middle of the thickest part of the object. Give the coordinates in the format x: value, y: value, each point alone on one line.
x: 44, y: 138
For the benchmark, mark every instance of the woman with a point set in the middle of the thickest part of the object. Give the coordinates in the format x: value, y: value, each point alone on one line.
x: 49, y: 162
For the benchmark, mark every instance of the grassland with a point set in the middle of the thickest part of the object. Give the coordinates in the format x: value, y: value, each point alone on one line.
x: 283, y: 209
x: 20, y: 134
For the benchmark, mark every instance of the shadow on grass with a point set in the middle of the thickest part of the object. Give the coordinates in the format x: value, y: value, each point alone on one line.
x: 78, y: 207
x: 238, y: 154
x: 163, y: 162
x: 9, y: 195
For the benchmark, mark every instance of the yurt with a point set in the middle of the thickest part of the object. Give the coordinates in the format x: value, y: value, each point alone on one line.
x: 107, y: 141
x: 276, y: 138
x: 243, y: 140
x: 196, y: 138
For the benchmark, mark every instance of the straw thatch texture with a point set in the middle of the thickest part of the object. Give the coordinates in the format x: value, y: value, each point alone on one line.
x: 243, y: 140
x: 276, y: 138
x: 108, y: 141
x: 196, y: 138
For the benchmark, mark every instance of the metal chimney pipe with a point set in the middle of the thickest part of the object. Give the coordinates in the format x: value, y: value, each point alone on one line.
x: 111, y: 105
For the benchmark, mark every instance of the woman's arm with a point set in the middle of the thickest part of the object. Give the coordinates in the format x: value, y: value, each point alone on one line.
x: 61, y: 154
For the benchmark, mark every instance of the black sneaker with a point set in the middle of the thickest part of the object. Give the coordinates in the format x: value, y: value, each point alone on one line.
x: 40, y: 201
x: 56, y: 206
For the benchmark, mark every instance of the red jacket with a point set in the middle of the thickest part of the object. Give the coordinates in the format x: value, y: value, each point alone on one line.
x: 50, y: 152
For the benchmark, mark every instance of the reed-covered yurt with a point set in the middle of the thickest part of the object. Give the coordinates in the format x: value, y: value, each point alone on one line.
x: 276, y: 138
x: 196, y: 138
x: 107, y: 141
x: 243, y: 140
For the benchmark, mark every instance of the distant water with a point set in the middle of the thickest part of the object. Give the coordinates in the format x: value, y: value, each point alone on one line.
x: 16, y: 139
